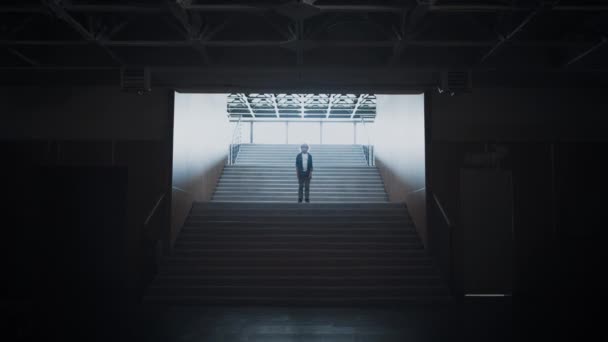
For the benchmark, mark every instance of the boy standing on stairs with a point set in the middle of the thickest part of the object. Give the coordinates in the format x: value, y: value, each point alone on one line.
x: 304, y: 172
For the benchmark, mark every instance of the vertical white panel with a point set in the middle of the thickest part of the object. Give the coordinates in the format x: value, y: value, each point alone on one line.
x: 201, y: 136
x: 398, y: 139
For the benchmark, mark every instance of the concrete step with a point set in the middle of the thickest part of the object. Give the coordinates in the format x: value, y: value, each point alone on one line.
x: 293, y: 177
x: 378, y: 300
x: 291, y: 171
x: 290, y: 182
x: 271, y: 199
x: 282, y: 291
x: 299, y: 210
x: 290, y: 189
x: 292, y: 159
x: 314, y: 188
x: 295, y: 245
x: 187, y: 238
x: 268, y: 217
x: 291, y: 174
x: 295, y: 261
x: 289, y: 252
x: 290, y: 270
x: 190, y: 281
x: 310, y: 206
x: 290, y: 193
x: 297, y: 146
x: 318, y: 194
x: 291, y: 164
x: 276, y: 228
x: 252, y: 244
x: 290, y: 167
x: 316, y: 166
x: 315, y: 222
x: 291, y: 155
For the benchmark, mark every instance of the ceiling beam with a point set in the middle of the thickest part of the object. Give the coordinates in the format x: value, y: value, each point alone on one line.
x: 320, y: 70
x: 587, y: 52
x: 274, y: 103
x: 193, y: 7
x: 299, y: 39
x: 246, y: 100
x: 58, y: 9
x: 490, y: 8
x: 503, y: 39
x: 12, y: 32
x: 359, y: 100
x: 409, y: 27
x: 301, y: 98
x: 308, y: 43
x: 463, y: 7
x: 23, y: 57
x: 283, y: 31
x: 331, y: 101
x: 191, y: 23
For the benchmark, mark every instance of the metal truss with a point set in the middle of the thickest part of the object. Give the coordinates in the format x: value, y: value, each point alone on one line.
x: 349, y: 107
x: 170, y: 36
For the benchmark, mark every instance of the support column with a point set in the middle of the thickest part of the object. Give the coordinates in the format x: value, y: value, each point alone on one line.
x: 354, y: 133
x: 251, y: 132
x: 321, y: 132
x: 286, y: 132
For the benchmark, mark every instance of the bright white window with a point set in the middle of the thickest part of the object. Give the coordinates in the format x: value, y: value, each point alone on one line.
x: 338, y: 133
x: 300, y: 132
x: 269, y: 133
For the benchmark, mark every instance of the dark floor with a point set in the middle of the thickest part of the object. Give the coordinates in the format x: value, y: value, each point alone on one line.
x: 473, y: 321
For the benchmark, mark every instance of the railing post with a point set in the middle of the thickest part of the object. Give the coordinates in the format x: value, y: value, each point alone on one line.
x: 450, y: 226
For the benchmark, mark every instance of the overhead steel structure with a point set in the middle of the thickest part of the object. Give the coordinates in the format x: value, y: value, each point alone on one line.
x: 317, y: 107
x: 245, y: 44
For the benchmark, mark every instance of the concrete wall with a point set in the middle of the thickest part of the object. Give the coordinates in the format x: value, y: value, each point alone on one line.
x: 554, y: 139
x: 95, y: 128
x: 503, y: 114
x: 398, y: 139
x: 201, y: 136
x: 83, y: 113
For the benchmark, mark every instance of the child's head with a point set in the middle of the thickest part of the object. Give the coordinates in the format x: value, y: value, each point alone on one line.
x: 304, y: 148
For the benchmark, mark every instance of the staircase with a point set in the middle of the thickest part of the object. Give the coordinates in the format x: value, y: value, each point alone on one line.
x: 253, y: 245
x: 266, y: 173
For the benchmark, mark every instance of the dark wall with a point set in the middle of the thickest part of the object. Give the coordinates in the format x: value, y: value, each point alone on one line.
x: 553, y: 142
x: 101, y: 128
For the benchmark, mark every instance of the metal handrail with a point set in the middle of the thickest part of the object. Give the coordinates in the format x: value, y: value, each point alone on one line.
x: 369, y: 147
x: 236, y: 127
x: 234, y: 141
x: 153, y: 211
x: 450, y: 242
x: 443, y: 212
x: 180, y: 189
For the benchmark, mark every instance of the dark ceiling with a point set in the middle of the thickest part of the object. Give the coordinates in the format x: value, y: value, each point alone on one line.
x: 316, y: 43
